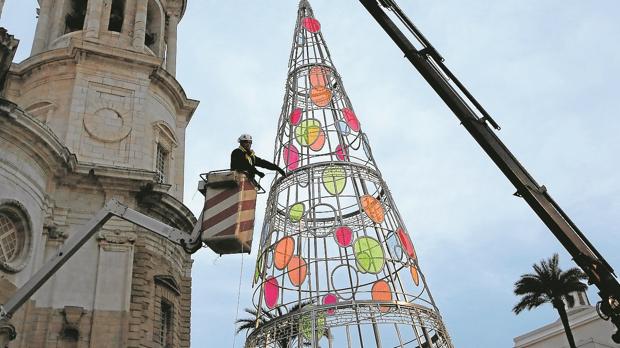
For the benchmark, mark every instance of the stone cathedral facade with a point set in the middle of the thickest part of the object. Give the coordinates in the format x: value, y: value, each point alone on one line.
x: 96, y: 113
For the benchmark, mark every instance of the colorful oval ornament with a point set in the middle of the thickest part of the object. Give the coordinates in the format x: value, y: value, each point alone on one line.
x: 291, y: 156
x: 343, y: 236
x: 334, y: 179
x: 310, y: 24
x: 342, y: 127
x: 297, y: 270
x: 415, y: 275
x: 320, y: 141
x: 320, y: 95
x: 373, y: 208
x: 368, y: 255
x: 381, y: 292
x: 341, y: 153
x: 283, y: 252
x: 351, y: 119
x: 295, y: 116
x: 307, y: 132
x: 393, y: 244
x: 405, y: 240
x: 271, y: 291
x: 306, y: 325
x: 296, y: 212
x: 319, y: 75
x: 330, y: 299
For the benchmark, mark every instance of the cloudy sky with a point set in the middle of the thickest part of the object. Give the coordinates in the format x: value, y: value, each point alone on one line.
x: 545, y: 70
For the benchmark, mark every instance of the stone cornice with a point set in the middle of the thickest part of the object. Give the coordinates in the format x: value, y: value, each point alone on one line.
x: 184, y: 105
x: 79, y: 48
x: 53, y: 155
x: 155, y: 199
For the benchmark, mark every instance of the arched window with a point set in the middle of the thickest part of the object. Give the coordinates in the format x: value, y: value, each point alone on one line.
x: 154, y: 27
x: 117, y: 15
x: 166, y: 294
x: 76, y: 13
x: 15, y: 238
x: 165, y: 324
x: 165, y: 143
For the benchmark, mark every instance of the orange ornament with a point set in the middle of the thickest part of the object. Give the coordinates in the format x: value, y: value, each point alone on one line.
x: 319, y: 75
x: 415, y: 275
x: 283, y: 252
x: 297, y: 270
x: 320, y: 95
x: 381, y: 292
x: 373, y: 208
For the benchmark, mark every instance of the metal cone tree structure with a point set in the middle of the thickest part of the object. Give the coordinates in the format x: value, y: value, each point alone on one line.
x: 336, y: 266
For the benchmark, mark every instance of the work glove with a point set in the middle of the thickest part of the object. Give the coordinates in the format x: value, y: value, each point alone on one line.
x: 261, y: 174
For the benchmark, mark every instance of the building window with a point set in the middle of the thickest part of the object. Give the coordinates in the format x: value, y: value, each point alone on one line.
x: 117, y: 15
x: 74, y: 20
x: 70, y: 338
x: 161, y: 164
x: 165, y: 327
x: 8, y: 239
x: 14, y: 237
x: 154, y: 27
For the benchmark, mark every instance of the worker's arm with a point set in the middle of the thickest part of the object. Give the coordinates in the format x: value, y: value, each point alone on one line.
x: 268, y: 165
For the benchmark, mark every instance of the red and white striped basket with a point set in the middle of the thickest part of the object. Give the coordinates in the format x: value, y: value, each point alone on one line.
x: 228, y: 213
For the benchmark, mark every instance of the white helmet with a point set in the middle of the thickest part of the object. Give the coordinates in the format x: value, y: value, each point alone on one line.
x: 244, y: 137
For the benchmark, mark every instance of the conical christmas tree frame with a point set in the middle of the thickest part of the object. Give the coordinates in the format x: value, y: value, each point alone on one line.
x: 336, y: 266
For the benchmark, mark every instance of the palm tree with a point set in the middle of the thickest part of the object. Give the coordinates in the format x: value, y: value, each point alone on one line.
x: 549, y: 284
x: 292, y: 331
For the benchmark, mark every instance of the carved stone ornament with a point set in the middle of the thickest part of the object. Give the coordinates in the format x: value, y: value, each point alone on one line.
x: 72, y: 314
x: 108, y: 122
x: 116, y: 237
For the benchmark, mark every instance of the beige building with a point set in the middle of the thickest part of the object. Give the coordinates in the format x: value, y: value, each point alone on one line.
x: 589, y: 330
x: 96, y: 113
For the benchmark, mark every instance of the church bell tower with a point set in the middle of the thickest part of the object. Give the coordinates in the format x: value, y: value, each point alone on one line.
x: 96, y: 113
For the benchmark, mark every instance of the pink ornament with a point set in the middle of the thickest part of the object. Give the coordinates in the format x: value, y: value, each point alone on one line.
x: 341, y: 153
x: 343, y: 236
x: 406, y: 242
x: 295, y: 116
x: 291, y: 157
x: 330, y: 299
x: 271, y: 292
x: 311, y: 24
x: 351, y: 119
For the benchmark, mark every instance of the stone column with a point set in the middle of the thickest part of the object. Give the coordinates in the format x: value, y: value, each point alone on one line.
x: 40, y: 37
x: 93, y: 19
x: 139, y: 28
x: 171, y: 41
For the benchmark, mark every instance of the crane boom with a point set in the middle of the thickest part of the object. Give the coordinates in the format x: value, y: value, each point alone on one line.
x: 476, y: 120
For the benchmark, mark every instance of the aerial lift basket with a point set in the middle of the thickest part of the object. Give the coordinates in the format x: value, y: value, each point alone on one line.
x: 228, y: 213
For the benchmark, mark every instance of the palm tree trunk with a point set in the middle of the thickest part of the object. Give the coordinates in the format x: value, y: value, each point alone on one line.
x: 564, y: 318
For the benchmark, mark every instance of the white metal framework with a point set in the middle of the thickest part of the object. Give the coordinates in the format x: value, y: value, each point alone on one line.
x: 336, y: 265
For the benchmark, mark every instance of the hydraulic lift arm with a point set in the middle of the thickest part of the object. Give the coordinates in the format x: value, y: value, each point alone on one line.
x: 476, y: 120
x: 113, y: 208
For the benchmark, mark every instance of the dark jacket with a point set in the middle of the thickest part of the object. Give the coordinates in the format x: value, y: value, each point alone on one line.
x: 244, y: 162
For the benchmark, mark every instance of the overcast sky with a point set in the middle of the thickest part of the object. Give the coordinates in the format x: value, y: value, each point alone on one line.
x: 547, y: 72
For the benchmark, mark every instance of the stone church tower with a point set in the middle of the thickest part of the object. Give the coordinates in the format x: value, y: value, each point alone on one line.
x: 96, y: 113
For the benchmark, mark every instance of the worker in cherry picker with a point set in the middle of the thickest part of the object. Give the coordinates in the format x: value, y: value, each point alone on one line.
x: 243, y: 159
